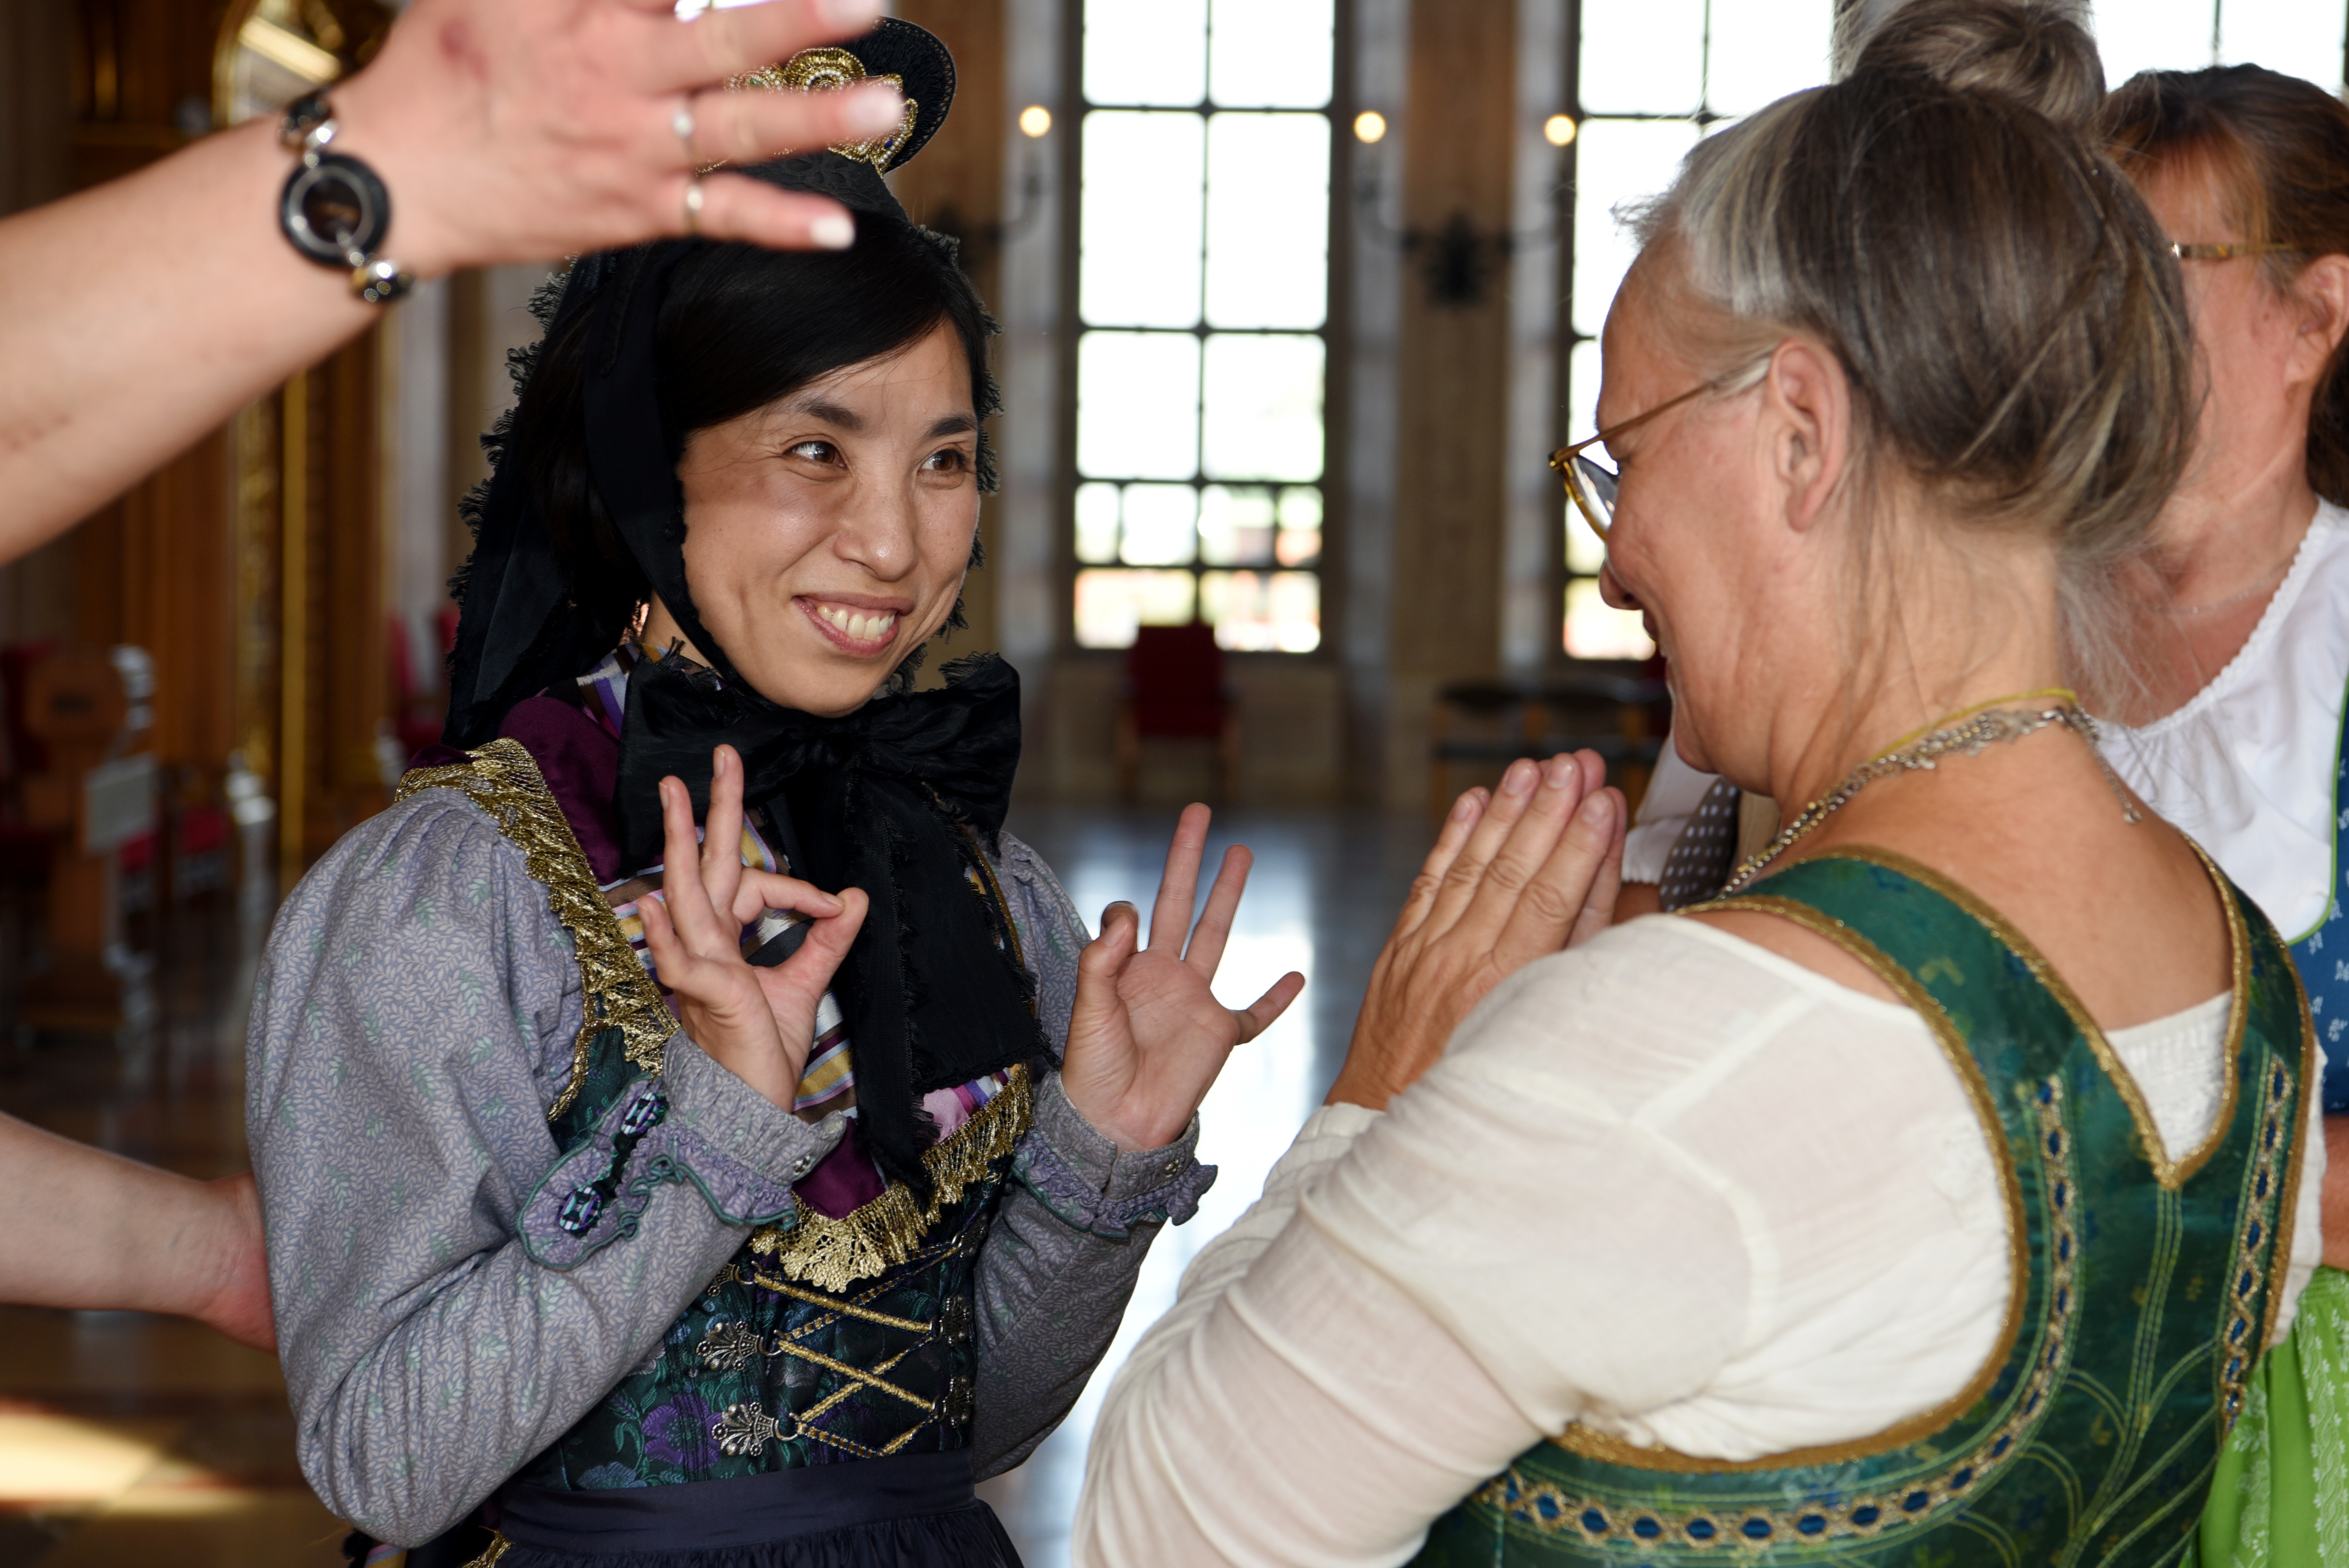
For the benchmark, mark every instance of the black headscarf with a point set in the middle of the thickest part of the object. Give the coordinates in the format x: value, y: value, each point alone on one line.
x: 897, y: 797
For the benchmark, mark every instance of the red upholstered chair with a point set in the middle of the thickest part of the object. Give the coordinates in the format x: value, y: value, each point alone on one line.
x: 1175, y: 690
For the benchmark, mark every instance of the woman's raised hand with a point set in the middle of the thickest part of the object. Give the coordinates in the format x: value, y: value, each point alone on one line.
x: 513, y: 130
x: 1147, y: 1036
x: 757, y: 1023
x: 1513, y: 876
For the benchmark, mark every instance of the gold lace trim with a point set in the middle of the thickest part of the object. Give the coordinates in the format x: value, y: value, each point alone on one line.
x: 499, y: 1547
x: 834, y: 1253
x: 502, y: 781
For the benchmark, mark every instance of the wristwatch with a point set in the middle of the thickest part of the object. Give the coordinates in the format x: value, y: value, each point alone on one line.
x: 335, y: 208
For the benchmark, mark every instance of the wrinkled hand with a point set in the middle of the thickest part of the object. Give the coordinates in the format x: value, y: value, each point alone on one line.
x: 1147, y: 1036
x: 757, y: 1023
x: 1512, y: 877
x: 517, y: 130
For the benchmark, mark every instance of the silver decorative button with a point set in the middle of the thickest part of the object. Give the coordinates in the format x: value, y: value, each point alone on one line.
x: 748, y: 1429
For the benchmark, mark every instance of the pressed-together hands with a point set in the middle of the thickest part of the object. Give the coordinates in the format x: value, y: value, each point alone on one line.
x: 757, y: 1023
x: 1513, y: 876
x: 1147, y: 1036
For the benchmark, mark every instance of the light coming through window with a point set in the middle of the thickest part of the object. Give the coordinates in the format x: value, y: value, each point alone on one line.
x: 1203, y: 290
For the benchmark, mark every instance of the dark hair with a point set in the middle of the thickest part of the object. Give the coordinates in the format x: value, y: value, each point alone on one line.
x: 2277, y: 150
x: 1998, y: 293
x: 739, y: 327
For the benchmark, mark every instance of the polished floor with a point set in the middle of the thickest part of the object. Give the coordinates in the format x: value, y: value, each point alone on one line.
x: 128, y: 1440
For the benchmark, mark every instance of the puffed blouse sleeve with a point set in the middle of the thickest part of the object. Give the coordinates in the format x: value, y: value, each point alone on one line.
x: 441, y: 1315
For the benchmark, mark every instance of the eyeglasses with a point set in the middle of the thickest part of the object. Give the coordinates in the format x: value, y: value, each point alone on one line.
x: 1591, y: 483
x: 2227, y: 253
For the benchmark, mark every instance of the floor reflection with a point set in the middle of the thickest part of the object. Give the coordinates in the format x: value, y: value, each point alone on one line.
x: 125, y: 1439
x: 1323, y: 894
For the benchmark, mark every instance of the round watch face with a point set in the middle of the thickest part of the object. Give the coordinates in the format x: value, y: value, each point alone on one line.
x: 335, y: 210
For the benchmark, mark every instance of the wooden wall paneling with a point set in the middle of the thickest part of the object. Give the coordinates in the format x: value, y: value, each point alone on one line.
x: 1452, y: 417
x: 956, y: 186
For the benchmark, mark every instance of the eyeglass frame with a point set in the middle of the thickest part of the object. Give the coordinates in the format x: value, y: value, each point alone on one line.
x: 2192, y: 250
x: 1563, y: 459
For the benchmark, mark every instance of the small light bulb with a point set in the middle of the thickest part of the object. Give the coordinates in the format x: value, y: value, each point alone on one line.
x: 1035, y: 119
x: 1558, y: 130
x: 1369, y: 126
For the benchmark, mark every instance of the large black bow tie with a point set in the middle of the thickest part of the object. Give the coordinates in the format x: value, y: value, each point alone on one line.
x: 897, y: 798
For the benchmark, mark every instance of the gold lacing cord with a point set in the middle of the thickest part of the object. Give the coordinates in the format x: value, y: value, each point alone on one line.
x: 502, y: 781
x: 499, y: 1547
x: 834, y: 1253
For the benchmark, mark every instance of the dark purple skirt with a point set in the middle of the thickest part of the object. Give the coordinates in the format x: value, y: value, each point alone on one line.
x: 910, y: 1510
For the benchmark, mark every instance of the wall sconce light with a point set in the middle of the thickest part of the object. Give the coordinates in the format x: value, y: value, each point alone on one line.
x: 1369, y: 126
x: 1035, y: 120
x: 1558, y: 131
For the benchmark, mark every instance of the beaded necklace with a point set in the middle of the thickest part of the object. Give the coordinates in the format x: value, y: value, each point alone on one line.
x: 1968, y: 730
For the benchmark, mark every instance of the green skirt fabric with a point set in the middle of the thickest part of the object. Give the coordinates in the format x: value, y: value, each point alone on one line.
x: 2280, y: 1497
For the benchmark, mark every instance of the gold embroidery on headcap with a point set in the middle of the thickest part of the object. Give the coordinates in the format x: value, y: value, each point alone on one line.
x: 828, y: 69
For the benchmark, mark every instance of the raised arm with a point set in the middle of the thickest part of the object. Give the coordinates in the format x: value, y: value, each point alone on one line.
x: 146, y: 311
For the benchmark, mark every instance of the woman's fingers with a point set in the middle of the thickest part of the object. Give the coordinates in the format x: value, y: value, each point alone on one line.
x: 1178, y: 888
x: 679, y: 966
x: 1105, y: 958
x: 1598, y: 907
x: 725, y: 41
x: 1215, y: 927
x: 763, y: 890
x: 1258, y: 1016
x: 1458, y: 824
x: 721, y: 838
x: 748, y: 128
x: 684, y: 901
x: 810, y: 969
x: 1513, y: 878
x: 1545, y: 912
x: 1527, y: 785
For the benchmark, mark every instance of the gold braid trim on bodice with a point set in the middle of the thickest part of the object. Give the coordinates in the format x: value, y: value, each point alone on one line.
x: 502, y: 781
x: 876, y: 1236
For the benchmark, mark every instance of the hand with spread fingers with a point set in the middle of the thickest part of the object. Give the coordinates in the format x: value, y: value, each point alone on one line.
x: 1514, y: 876
x: 757, y: 1023
x: 1147, y: 1036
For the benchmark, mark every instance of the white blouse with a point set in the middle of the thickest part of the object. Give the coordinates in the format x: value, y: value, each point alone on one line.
x: 1668, y: 1184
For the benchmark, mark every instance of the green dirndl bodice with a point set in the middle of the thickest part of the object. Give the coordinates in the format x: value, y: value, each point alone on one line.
x: 2143, y: 1288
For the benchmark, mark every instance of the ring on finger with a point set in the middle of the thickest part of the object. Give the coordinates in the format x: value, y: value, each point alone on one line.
x: 693, y: 205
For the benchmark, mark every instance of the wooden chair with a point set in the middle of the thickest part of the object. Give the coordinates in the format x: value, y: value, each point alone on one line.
x: 1175, y: 690
x: 1484, y: 726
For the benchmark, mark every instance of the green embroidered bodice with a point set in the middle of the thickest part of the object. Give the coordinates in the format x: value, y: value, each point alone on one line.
x: 826, y: 1338
x: 2143, y: 1289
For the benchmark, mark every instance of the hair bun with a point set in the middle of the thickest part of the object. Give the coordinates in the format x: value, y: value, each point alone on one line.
x: 2038, y: 53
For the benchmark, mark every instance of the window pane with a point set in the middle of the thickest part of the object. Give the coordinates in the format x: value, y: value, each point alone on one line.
x: 1138, y: 405
x: 1584, y: 370
x: 1236, y: 523
x: 1263, y: 408
x: 1597, y: 630
x: 1145, y: 51
x: 2156, y: 35
x: 1270, y: 53
x: 1757, y: 55
x: 1160, y: 524
x: 1263, y: 611
x: 1301, y: 526
x: 1267, y: 220
x: 1139, y: 235
x: 1647, y: 59
x: 1615, y: 161
x: 1097, y: 524
x: 1111, y: 603
x: 2302, y: 40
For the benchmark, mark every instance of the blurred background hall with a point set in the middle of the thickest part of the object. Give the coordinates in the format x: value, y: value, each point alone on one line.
x: 1297, y: 297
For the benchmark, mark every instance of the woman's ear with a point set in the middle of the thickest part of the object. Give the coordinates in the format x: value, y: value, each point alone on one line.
x: 2322, y: 292
x: 1806, y: 410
